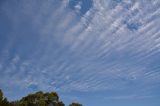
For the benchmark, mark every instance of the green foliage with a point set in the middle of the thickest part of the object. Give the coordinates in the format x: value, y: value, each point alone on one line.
x: 75, y: 104
x: 37, y: 99
x: 61, y: 104
x: 53, y: 96
x: 3, y: 101
x: 1, y: 95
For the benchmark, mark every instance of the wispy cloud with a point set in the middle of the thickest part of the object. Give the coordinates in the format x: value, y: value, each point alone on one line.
x: 113, y: 45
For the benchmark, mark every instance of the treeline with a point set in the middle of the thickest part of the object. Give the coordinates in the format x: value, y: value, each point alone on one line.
x: 36, y: 99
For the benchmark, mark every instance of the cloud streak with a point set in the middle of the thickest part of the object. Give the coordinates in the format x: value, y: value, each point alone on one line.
x: 113, y: 45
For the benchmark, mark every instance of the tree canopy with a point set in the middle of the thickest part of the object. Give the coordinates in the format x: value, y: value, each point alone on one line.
x: 36, y: 99
x: 75, y: 104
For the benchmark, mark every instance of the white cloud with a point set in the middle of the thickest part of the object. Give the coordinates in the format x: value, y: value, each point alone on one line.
x: 97, y: 52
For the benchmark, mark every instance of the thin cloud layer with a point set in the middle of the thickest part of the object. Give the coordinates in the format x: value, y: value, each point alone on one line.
x: 112, y: 45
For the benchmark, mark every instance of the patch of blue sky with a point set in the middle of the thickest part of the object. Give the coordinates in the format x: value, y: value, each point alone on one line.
x: 81, y: 6
x: 114, y: 3
x: 133, y: 26
x: 33, y: 87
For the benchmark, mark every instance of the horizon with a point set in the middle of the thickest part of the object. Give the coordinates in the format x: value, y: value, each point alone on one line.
x: 95, y: 52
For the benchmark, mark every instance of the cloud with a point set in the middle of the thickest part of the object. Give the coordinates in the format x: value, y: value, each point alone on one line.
x: 129, y: 97
x: 109, y: 47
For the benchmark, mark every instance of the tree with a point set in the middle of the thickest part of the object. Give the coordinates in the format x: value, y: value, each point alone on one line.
x: 5, y: 102
x: 75, y: 104
x: 53, y: 96
x: 36, y: 99
x: 1, y: 95
x: 61, y: 104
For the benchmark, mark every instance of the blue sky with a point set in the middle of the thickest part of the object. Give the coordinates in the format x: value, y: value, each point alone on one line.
x: 96, y: 52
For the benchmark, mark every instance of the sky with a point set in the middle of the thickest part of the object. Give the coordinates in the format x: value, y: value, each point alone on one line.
x: 95, y: 52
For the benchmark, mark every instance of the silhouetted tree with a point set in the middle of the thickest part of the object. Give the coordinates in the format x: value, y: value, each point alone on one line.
x: 61, y: 104
x: 3, y: 101
x: 75, y: 104
x: 36, y: 99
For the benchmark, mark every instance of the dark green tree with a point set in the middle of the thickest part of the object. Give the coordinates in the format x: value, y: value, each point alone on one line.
x: 36, y: 99
x: 75, y: 104
x: 1, y: 95
x: 4, y: 101
x: 61, y: 104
